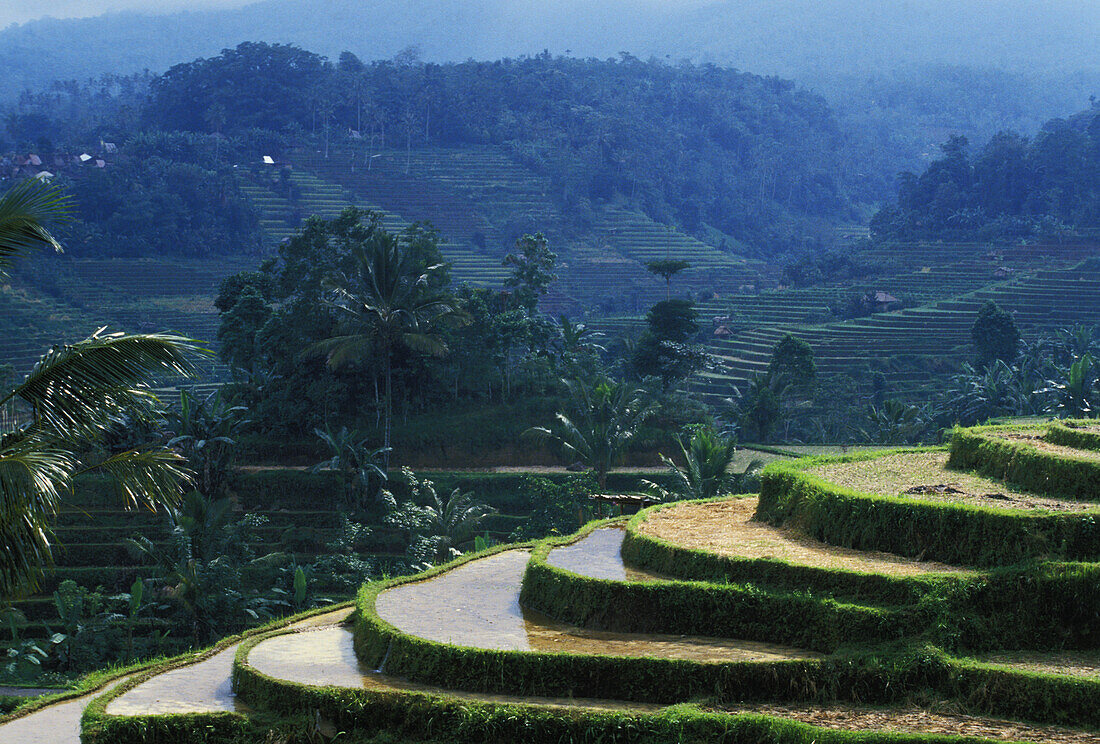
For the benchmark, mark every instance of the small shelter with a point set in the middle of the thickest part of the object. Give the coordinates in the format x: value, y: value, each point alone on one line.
x: 881, y: 302
x: 628, y: 503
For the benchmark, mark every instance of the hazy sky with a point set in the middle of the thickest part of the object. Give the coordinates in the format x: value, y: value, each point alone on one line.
x: 18, y: 11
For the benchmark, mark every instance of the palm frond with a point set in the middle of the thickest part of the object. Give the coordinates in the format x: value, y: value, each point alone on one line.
x: 32, y: 476
x: 150, y: 478
x: 340, y: 351
x: 27, y: 212
x: 75, y: 389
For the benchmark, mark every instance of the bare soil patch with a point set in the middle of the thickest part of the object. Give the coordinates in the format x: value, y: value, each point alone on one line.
x: 918, y: 720
x: 1035, y: 439
x: 728, y: 528
x: 1071, y: 663
x: 925, y: 476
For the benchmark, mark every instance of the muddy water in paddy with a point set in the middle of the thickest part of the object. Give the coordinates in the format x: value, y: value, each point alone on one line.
x: 55, y: 724
x: 598, y: 555
x: 200, y: 687
x: 327, y: 657
x: 203, y: 687
x: 477, y: 605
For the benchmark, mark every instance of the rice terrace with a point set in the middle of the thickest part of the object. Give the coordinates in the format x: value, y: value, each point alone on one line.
x: 609, y: 373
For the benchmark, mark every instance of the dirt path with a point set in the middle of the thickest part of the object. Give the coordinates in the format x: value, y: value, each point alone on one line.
x: 727, y: 528
x: 1073, y: 663
x: 916, y: 720
x: 477, y: 605
x: 924, y: 476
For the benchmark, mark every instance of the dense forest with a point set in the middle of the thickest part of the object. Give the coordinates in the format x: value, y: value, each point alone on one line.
x: 728, y: 156
x: 1013, y: 187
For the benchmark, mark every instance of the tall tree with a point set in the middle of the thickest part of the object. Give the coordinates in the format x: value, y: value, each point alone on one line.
x: 387, y: 301
x: 666, y: 268
x: 532, y: 265
x: 995, y: 335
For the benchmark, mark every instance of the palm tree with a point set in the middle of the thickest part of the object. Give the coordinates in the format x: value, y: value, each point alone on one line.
x: 72, y: 397
x: 706, y: 474
x: 577, y: 341
x: 354, y: 460
x: 388, y: 301
x: 27, y: 211
x: 440, y: 527
x: 607, y: 416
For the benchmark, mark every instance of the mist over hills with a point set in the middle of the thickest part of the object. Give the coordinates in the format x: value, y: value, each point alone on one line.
x: 785, y: 37
x: 908, y: 73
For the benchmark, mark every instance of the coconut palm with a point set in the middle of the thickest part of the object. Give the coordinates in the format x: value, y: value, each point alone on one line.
x: 27, y: 212
x: 606, y: 417
x: 388, y: 301
x: 708, y: 457
x: 72, y: 397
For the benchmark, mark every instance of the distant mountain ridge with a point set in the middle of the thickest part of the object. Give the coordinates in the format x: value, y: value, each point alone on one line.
x: 786, y: 37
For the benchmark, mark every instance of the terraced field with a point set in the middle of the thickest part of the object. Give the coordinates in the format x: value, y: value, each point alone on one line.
x: 134, y: 295
x: 480, y: 199
x: 318, y: 196
x: 848, y: 616
x: 913, y: 345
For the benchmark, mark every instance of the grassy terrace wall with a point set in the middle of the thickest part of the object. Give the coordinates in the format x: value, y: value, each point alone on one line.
x: 422, y: 716
x: 700, y: 608
x: 1071, y: 434
x: 652, y: 680
x: 952, y: 533
x: 1048, y: 606
x: 1019, y: 463
x: 99, y: 727
x: 677, y: 561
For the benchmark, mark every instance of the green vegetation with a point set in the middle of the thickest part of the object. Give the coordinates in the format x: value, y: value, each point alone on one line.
x: 603, y: 419
x: 1013, y: 188
x: 69, y: 402
x: 425, y: 254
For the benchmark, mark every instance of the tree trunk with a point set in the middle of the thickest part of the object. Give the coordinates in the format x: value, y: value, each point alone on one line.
x: 389, y: 408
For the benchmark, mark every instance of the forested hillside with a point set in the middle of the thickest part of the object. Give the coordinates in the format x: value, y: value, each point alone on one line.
x: 735, y: 159
x: 701, y: 147
x: 1013, y: 187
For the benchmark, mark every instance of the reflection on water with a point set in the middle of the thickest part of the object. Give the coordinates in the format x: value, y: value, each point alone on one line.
x: 327, y: 657
x: 204, y: 687
x: 199, y: 688
x: 598, y: 555
x: 477, y: 605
